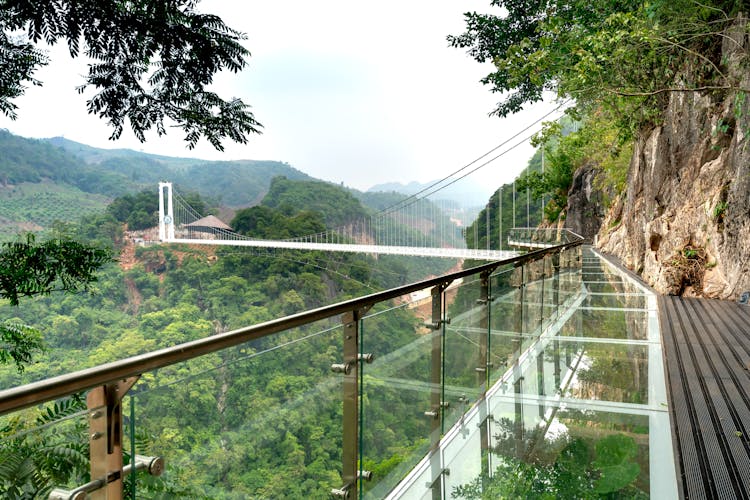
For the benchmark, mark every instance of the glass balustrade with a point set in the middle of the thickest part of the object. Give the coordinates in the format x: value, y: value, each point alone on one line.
x: 543, y: 372
x: 398, y: 392
x: 259, y: 420
x: 580, y: 409
x: 507, y: 339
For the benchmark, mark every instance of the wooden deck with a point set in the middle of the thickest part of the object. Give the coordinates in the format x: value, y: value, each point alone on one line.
x: 707, y: 353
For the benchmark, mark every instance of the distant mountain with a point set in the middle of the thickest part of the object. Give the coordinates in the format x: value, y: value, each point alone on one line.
x: 464, y: 193
x: 233, y: 183
x: 112, y: 172
x: 48, y: 180
x: 90, y: 154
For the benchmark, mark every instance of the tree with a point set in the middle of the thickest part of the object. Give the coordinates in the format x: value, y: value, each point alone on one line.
x: 28, y: 268
x: 624, y: 54
x: 151, y: 62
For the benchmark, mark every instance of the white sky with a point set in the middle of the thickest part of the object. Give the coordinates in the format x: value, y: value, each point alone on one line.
x: 363, y: 93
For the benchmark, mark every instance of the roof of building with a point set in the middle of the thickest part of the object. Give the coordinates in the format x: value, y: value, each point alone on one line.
x: 209, y: 221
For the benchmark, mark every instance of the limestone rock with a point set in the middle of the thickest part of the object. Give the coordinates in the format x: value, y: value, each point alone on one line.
x: 689, y: 185
x: 585, y: 209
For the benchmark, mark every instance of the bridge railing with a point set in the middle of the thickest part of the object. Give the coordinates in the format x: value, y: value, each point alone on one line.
x: 531, y: 237
x: 264, y: 411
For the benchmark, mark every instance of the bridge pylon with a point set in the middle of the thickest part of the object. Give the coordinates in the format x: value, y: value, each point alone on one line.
x: 166, y: 220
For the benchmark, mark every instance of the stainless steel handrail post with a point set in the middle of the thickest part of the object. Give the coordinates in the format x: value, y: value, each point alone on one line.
x: 436, y: 411
x: 483, y: 374
x: 484, y: 328
x: 350, y: 474
x: 105, y: 437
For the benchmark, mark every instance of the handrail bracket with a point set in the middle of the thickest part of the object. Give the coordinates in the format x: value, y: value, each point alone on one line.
x: 105, y: 436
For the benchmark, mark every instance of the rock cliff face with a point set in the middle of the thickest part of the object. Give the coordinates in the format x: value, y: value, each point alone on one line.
x: 585, y: 209
x: 684, y: 222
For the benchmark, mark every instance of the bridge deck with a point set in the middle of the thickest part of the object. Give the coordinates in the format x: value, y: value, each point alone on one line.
x: 456, y: 253
x: 707, y: 351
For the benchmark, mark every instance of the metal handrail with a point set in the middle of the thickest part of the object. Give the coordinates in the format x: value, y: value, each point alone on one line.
x: 53, y: 388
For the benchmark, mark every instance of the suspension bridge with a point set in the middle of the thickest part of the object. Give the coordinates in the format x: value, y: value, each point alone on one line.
x: 415, y: 228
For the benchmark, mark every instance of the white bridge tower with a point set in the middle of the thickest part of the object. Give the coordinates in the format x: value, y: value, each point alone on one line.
x: 166, y: 220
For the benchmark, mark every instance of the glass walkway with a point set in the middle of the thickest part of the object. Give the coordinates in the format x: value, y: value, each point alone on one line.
x: 581, y: 413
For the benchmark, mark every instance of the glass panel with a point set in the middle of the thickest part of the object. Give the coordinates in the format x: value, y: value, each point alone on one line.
x: 551, y: 283
x: 241, y: 424
x: 465, y: 451
x: 548, y: 451
x: 533, y: 296
x: 586, y: 370
x: 45, y: 449
x: 465, y: 350
x: 397, y: 390
x: 606, y: 323
x: 607, y: 286
x: 632, y: 301
x: 507, y: 337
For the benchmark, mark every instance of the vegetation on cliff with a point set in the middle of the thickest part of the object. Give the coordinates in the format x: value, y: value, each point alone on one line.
x: 659, y: 92
x: 617, y: 61
x: 625, y: 56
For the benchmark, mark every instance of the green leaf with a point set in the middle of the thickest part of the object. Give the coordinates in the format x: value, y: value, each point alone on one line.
x: 616, y: 477
x: 614, y: 459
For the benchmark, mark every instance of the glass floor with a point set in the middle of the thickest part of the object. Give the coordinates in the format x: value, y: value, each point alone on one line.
x: 581, y: 414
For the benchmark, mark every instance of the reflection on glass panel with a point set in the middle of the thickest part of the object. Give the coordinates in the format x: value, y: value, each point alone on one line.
x: 607, y: 323
x: 240, y: 423
x: 601, y: 371
x: 42, y: 449
x: 630, y: 301
x: 397, y: 391
x: 541, y: 451
x: 506, y: 322
x: 612, y: 372
x: 465, y: 353
x: 584, y: 370
x: 570, y: 276
x: 533, y: 296
x: 465, y: 453
x: 604, y: 286
x: 551, y: 290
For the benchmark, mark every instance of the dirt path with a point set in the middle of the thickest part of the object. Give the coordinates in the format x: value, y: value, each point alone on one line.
x: 127, y: 256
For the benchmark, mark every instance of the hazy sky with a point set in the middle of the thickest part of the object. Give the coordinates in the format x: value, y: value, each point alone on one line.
x: 349, y: 91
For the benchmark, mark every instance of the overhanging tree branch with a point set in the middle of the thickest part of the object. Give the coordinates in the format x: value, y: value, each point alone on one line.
x: 151, y: 63
x: 28, y: 268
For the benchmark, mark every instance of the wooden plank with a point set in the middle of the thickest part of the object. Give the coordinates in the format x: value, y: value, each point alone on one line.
x: 707, y: 354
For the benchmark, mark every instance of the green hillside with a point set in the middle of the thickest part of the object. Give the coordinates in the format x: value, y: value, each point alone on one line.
x: 32, y: 206
x: 44, y: 181
x: 477, y: 234
x: 271, y: 407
